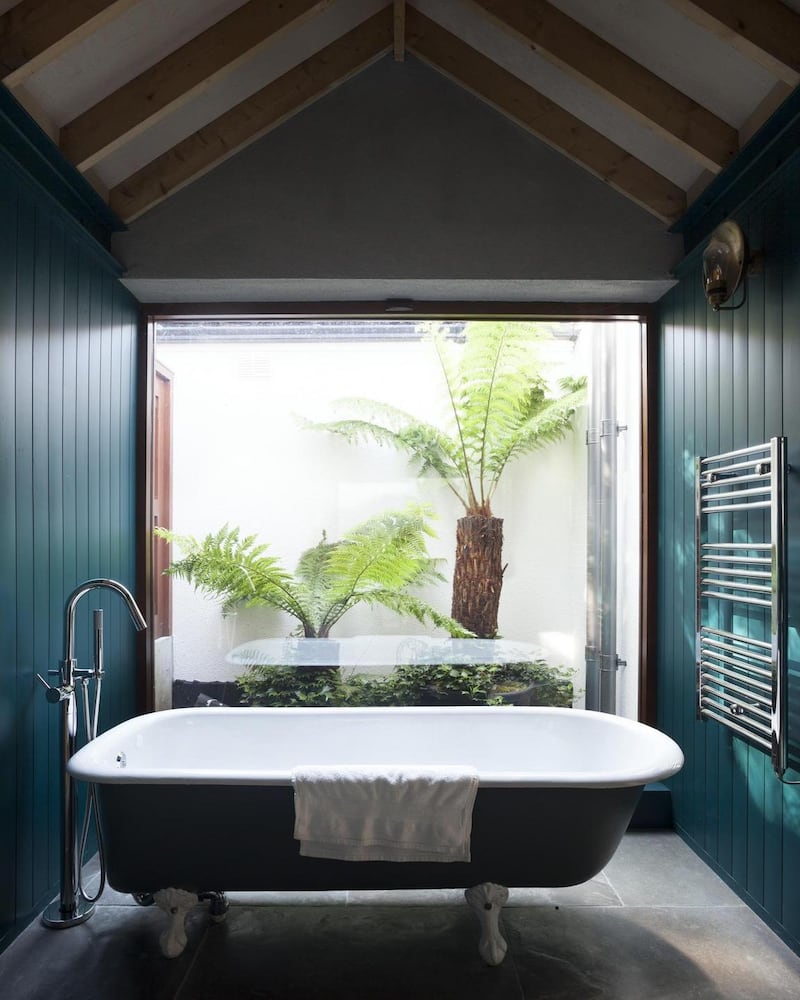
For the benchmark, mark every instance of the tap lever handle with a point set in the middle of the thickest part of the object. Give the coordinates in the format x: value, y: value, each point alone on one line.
x: 53, y: 694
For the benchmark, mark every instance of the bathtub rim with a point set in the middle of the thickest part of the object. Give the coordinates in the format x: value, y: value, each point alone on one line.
x: 91, y: 763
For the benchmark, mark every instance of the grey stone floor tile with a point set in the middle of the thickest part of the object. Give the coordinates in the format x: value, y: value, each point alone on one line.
x: 658, y: 867
x: 657, y: 924
x: 113, y: 956
x: 596, y: 892
x: 632, y: 953
x: 375, y: 953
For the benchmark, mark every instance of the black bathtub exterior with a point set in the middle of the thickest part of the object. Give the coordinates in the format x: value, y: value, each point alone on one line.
x: 240, y: 837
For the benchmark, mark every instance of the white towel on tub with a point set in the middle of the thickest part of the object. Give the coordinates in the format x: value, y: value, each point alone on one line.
x: 384, y: 813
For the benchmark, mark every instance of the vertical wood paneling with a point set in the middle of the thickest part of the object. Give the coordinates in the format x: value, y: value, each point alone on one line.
x: 8, y: 561
x: 729, y: 380
x: 789, y: 228
x: 26, y: 606
x: 57, y: 367
x: 67, y: 420
x: 40, y: 403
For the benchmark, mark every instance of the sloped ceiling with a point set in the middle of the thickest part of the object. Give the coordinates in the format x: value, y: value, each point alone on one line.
x: 652, y: 97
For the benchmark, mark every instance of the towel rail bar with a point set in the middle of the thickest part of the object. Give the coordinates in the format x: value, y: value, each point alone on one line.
x: 736, y: 600
x: 722, y: 480
x: 752, y: 588
x: 752, y: 449
x: 759, y: 504
x: 738, y: 560
x: 759, y: 741
x: 759, y: 675
x: 756, y: 491
x: 751, y: 727
x: 736, y: 545
x: 711, y: 648
x: 743, y: 702
x: 747, y: 574
x: 728, y: 683
x: 709, y: 630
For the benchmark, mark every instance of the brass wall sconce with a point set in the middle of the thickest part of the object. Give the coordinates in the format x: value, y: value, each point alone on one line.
x: 725, y: 261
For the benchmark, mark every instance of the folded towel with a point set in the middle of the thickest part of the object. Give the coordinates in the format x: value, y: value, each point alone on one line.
x: 384, y: 813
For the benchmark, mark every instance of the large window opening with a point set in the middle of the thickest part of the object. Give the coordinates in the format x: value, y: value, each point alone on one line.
x: 357, y: 453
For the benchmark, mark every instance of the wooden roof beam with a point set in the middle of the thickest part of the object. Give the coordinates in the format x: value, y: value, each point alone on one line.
x: 544, y: 119
x: 253, y: 117
x: 399, y: 30
x: 34, y: 32
x: 585, y: 56
x: 766, y: 31
x: 172, y: 81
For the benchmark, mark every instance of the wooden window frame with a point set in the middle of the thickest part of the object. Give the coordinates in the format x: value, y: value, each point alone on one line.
x: 645, y: 313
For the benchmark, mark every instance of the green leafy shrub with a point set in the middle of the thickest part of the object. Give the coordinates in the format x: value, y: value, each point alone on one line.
x: 409, y: 684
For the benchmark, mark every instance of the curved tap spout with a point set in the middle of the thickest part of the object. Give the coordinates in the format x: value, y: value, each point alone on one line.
x: 72, y: 602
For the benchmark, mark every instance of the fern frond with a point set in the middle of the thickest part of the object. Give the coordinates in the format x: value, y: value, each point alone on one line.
x: 413, y: 607
x: 428, y: 448
x: 384, y: 554
x: 486, y: 389
x: 547, y: 421
x: 313, y: 581
x: 233, y: 569
x: 499, y: 408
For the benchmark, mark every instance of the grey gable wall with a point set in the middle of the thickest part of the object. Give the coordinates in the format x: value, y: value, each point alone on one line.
x: 397, y: 176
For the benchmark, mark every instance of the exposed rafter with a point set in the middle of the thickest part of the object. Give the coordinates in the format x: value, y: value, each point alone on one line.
x: 532, y: 110
x: 399, y: 30
x: 587, y: 57
x: 766, y: 31
x: 165, y: 86
x: 35, y: 31
x: 253, y: 117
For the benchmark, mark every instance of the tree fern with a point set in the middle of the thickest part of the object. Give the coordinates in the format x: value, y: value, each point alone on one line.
x: 498, y: 409
x: 375, y: 563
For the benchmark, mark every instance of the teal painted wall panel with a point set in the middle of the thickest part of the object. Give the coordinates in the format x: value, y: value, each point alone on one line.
x: 729, y: 380
x: 67, y: 423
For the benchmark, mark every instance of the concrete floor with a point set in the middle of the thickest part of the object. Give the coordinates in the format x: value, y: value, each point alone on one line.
x: 657, y: 924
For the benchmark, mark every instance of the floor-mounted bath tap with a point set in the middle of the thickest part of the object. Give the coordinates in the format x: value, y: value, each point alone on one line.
x: 73, y: 907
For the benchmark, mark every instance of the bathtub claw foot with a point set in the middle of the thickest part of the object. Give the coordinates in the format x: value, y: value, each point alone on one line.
x: 487, y: 899
x: 177, y: 904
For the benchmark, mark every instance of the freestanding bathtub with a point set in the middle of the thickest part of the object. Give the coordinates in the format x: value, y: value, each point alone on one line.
x: 199, y: 800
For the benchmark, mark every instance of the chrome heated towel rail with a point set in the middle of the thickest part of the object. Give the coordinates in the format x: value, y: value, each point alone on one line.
x: 741, y: 594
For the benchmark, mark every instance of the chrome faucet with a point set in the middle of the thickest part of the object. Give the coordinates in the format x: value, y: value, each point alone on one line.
x: 68, y: 664
x: 72, y: 907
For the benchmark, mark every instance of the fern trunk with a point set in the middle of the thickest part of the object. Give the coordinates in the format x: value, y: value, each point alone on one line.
x: 478, y: 573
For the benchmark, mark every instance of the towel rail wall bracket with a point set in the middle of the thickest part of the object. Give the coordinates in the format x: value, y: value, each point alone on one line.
x: 741, y: 624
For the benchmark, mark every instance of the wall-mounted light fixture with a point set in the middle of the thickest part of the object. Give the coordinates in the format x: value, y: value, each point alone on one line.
x: 724, y: 262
